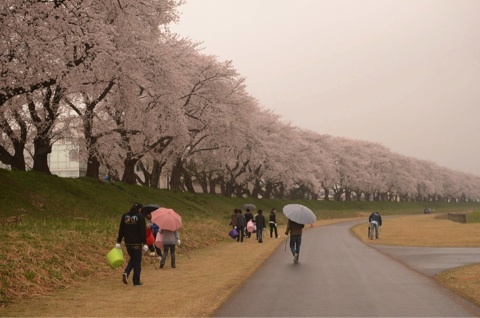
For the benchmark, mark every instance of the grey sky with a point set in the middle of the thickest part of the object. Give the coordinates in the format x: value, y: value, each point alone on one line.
x: 403, y: 73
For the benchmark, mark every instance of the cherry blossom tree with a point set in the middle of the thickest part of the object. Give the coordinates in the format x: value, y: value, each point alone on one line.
x: 13, y: 137
x: 141, y: 97
x: 213, y: 91
x: 267, y: 162
x: 43, y: 42
x: 232, y: 174
x: 46, y: 41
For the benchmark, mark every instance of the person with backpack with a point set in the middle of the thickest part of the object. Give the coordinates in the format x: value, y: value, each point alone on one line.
x: 375, y: 221
x: 240, y: 226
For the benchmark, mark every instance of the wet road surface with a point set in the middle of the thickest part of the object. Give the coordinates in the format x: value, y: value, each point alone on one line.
x: 339, y: 276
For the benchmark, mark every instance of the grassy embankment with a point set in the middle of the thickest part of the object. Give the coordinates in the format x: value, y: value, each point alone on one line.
x: 56, y: 232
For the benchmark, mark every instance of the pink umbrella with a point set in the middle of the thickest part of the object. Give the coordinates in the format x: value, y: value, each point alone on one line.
x: 167, y: 219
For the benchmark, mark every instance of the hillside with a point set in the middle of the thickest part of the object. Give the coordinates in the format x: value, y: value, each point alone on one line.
x: 56, y: 231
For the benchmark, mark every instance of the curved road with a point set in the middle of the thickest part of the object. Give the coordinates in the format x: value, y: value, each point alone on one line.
x: 339, y: 276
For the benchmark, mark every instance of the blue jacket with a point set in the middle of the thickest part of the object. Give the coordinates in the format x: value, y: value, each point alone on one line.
x: 155, y: 228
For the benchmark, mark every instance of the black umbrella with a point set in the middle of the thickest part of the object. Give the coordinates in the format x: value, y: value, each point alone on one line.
x: 149, y: 209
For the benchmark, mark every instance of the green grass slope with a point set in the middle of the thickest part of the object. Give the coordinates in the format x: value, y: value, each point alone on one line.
x: 57, y: 231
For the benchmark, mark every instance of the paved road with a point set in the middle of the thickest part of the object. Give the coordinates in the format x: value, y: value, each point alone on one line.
x: 339, y: 276
x: 432, y: 260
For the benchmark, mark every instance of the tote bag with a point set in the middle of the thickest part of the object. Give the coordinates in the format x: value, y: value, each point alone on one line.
x: 159, y: 240
x: 233, y: 233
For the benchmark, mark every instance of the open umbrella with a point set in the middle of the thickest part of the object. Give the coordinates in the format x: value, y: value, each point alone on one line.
x: 299, y: 213
x: 149, y: 209
x: 167, y: 219
x: 249, y: 206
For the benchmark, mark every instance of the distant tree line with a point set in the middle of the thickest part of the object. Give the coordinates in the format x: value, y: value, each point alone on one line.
x: 138, y: 98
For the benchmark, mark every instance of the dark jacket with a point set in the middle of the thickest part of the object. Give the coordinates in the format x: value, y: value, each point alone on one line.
x: 273, y: 218
x: 294, y: 228
x: 375, y: 216
x: 248, y: 216
x: 132, y: 229
x: 241, y: 220
x: 260, y: 221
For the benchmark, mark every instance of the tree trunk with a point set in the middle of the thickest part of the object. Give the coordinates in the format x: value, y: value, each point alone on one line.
x: 238, y: 190
x: 256, y: 189
x: 156, y: 173
x: 326, y: 194
x: 229, y: 189
x: 187, y: 179
x: 42, y: 148
x: 223, y: 187
x: 338, y: 195
x: 44, y: 121
x: 348, y: 195
x: 146, y: 175
x: 176, y: 175
x: 18, y: 139
x: 17, y: 160
x: 202, y: 181
x: 212, y: 184
x: 129, y: 176
x: 268, y: 191
x: 93, y: 166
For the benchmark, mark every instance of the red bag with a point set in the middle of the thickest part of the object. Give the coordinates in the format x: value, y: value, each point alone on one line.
x: 150, y: 238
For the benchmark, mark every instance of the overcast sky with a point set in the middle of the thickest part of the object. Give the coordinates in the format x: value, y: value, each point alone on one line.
x: 403, y: 73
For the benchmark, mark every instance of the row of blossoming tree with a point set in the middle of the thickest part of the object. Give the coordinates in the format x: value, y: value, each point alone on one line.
x: 143, y: 102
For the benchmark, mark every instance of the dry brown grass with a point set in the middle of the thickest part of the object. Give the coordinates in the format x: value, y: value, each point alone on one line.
x: 464, y: 281
x: 202, y: 281
x: 423, y: 230
x: 47, y: 258
x: 206, y: 277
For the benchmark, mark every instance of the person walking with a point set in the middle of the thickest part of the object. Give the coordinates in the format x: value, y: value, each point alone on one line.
x: 248, y: 217
x: 170, y: 240
x: 132, y: 230
x: 375, y: 221
x: 260, y: 223
x: 273, y: 223
x: 295, y: 231
x: 241, y: 224
x: 233, y: 218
